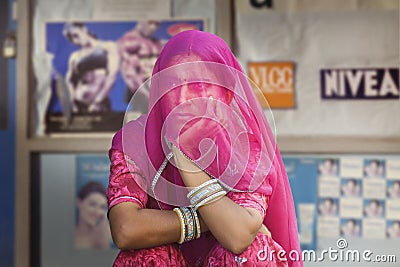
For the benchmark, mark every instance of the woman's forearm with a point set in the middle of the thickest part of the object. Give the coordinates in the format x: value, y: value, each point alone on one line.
x: 134, y: 228
x: 233, y: 226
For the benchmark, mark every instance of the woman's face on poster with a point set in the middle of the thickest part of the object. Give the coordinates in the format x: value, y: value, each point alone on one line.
x: 328, y: 204
x: 374, y: 169
x: 328, y: 167
x: 351, y: 225
x: 396, y: 227
x: 92, y: 209
x: 352, y: 186
x: 396, y: 187
x: 374, y: 206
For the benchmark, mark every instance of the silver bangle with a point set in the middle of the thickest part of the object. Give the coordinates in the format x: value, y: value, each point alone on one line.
x: 210, y: 199
x: 197, y: 188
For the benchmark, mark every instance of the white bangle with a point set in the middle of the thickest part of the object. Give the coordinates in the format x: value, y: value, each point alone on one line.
x: 210, y: 199
x: 197, y: 188
x: 203, y: 192
x: 183, y: 230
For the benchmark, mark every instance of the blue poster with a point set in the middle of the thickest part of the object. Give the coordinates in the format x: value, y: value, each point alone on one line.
x: 92, y: 231
x: 302, y: 173
x: 344, y: 196
x: 98, y: 66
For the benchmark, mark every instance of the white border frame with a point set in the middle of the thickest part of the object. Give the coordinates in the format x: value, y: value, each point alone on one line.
x: 26, y: 145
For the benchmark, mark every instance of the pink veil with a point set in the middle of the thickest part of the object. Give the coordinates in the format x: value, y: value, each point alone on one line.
x: 202, y: 103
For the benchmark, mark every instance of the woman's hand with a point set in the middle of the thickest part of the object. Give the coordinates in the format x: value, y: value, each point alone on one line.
x: 192, y: 175
x: 264, y: 230
x: 183, y: 163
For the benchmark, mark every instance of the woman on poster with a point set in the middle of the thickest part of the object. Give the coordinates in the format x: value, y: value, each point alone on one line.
x: 394, y: 230
x: 394, y: 190
x: 350, y: 228
x: 92, y: 231
x: 199, y: 180
x: 92, y: 70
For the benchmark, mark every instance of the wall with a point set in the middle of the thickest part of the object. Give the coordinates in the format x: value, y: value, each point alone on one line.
x: 344, y: 35
x: 7, y: 156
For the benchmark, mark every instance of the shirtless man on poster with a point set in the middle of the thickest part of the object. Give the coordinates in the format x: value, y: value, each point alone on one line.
x: 139, y: 51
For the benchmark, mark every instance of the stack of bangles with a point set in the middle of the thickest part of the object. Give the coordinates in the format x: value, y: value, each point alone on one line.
x: 190, y: 224
x: 201, y: 195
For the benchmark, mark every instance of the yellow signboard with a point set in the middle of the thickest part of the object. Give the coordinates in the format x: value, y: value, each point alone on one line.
x: 275, y: 80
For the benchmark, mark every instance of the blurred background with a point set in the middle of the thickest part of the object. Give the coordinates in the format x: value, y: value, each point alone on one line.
x: 328, y: 68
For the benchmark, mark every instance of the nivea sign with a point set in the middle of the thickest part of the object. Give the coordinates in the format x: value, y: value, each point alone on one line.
x: 360, y: 83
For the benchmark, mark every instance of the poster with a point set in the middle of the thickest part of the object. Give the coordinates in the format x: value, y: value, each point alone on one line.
x: 350, y: 227
x: 393, y: 229
x: 354, y: 196
x: 393, y: 169
x: 59, y: 179
x: 97, y: 66
x: 92, y: 230
x: 302, y: 172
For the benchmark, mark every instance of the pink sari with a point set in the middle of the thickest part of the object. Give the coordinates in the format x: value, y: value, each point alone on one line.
x: 202, y: 103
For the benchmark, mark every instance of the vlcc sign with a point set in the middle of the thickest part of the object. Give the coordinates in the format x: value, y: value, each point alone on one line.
x: 274, y: 82
x: 371, y: 83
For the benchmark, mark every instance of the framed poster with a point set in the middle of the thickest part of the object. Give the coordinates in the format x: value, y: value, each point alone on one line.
x: 92, y: 230
x: 71, y: 215
x: 98, y: 65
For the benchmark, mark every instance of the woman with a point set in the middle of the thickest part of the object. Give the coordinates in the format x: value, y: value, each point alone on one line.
x: 199, y: 181
x: 92, y: 231
x: 374, y: 209
x: 394, y: 230
x: 327, y: 207
x: 374, y: 169
x: 351, y: 188
x: 350, y: 228
x: 328, y: 167
x: 92, y: 70
x: 394, y: 190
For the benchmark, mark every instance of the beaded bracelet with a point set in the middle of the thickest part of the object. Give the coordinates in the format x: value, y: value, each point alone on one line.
x: 197, y: 222
x: 189, y: 222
